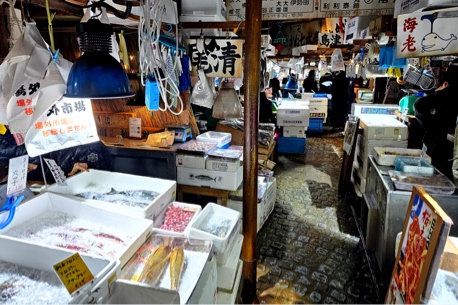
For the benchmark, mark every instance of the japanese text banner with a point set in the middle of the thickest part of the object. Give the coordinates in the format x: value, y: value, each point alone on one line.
x: 427, y: 33
x: 67, y: 123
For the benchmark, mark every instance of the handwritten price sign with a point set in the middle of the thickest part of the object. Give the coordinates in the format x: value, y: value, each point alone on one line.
x: 73, y: 273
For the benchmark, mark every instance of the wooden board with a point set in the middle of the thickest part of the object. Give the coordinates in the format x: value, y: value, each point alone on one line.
x: 113, y: 120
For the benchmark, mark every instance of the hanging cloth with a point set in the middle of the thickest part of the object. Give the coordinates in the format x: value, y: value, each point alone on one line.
x: 185, y: 76
x: 123, y: 54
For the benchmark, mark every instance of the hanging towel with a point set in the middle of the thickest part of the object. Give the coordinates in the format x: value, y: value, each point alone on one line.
x: 123, y: 55
x: 185, y: 76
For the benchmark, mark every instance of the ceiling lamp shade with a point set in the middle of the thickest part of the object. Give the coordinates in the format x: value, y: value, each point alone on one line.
x: 97, y: 74
x: 291, y: 84
x: 227, y: 104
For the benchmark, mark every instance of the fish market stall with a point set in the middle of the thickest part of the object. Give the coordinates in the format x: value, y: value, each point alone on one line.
x: 132, y: 195
x: 61, y: 222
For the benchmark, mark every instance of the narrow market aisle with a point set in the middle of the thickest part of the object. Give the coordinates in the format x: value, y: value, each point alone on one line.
x: 308, y: 249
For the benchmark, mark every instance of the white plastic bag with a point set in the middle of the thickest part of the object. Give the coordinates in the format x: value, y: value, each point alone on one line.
x: 337, y: 63
x: 202, y: 94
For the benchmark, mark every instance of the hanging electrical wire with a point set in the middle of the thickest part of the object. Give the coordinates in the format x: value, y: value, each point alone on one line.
x: 159, y: 62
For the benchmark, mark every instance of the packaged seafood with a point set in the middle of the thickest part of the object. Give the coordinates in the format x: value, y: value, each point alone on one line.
x: 387, y: 155
x: 413, y: 165
x: 222, y: 139
x: 218, y: 224
x: 433, y: 184
x: 132, y: 195
x: 62, y: 222
x: 176, y: 218
x: 169, y: 262
x: 197, y: 147
x: 27, y: 274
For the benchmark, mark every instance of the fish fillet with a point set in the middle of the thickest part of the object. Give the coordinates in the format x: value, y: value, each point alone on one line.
x: 155, y: 265
x: 176, y: 267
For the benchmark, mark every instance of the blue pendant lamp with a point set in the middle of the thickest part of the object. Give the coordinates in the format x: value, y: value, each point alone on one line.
x: 96, y: 74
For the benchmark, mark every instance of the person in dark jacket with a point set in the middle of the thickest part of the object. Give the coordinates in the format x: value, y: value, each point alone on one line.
x: 310, y: 84
x: 437, y: 113
x: 265, y: 106
x: 8, y: 150
x: 274, y: 83
x: 339, y: 100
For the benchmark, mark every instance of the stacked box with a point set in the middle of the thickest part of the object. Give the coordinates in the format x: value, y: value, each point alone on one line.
x: 290, y: 113
x: 291, y: 145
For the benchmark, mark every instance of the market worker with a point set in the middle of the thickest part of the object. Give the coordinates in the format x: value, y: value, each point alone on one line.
x: 265, y: 106
x: 9, y: 149
x: 437, y: 113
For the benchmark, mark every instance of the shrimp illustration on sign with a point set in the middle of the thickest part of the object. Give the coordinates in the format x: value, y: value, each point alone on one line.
x: 433, y: 41
x: 202, y: 177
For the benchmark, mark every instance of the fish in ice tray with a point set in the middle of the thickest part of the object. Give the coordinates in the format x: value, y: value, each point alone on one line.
x: 136, y: 198
x: 219, y: 229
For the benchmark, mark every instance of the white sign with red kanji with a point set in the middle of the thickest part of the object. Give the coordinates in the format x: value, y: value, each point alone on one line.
x: 431, y: 33
x: 67, y: 123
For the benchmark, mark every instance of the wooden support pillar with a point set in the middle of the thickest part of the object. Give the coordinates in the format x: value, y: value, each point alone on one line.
x: 252, y: 69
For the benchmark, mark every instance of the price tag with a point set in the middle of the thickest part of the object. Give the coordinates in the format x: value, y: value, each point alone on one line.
x: 17, y: 175
x: 56, y: 172
x: 73, y: 273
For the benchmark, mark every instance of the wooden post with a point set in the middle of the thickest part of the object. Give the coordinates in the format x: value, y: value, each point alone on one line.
x: 252, y: 69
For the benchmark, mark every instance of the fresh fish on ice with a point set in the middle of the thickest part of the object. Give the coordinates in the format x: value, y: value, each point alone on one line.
x: 177, y: 259
x: 136, y: 198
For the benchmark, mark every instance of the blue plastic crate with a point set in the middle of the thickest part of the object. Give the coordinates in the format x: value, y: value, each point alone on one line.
x: 315, y: 125
x: 291, y: 145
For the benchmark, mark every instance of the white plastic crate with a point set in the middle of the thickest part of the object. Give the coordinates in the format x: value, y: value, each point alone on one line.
x: 159, y: 221
x: 222, y: 139
x: 212, y: 215
x: 205, y: 291
x: 26, y: 254
x: 104, y: 181
x: 135, y: 230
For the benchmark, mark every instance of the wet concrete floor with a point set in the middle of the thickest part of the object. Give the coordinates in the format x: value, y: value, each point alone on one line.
x: 308, y: 250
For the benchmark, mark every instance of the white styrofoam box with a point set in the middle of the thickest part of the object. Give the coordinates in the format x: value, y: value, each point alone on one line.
x: 127, y: 292
x: 101, y: 292
x: 214, y: 214
x: 229, y: 297
x: 303, y: 49
x: 105, y: 181
x: 265, y: 204
x: 226, y: 273
x: 214, y: 179
x: 206, y: 288
x: 159, y: 221
x: 358, y: 109
x: 354, y: 26
x: 387, y: 155
x: 191, y: 161
x: 292, y: 119
x: 380, y: 127
x: 223, y: 139
x: 410, y: 6
x: 30, y: 255
x: 294, y: 131
x: 223, y: 165
x: 297, y: 110
x: 203, y: 8
x: 138, y: 229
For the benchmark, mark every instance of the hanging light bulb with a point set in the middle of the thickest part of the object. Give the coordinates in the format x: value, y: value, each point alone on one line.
x: 97, y: 74
x: 227, y: 104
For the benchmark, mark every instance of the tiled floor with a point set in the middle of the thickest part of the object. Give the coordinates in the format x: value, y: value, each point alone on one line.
x: 308, y: 250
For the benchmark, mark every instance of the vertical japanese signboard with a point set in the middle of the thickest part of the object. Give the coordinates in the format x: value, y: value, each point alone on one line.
x: 17, y: 175
x: 425, y: 232
x: 216, y: 57
x: 299, y: 9
x: 430, y: 33
x: 67, y: 123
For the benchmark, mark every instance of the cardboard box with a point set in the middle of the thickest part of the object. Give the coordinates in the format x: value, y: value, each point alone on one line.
x: 191, y: 161
x: 105, y: 181
x: 383, y: 127
x: 136, y: 230
x: 354, y: 26
x: 294, y: 131
x: 208, y: 178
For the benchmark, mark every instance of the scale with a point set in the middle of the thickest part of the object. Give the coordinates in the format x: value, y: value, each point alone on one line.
x: 182, y: 133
